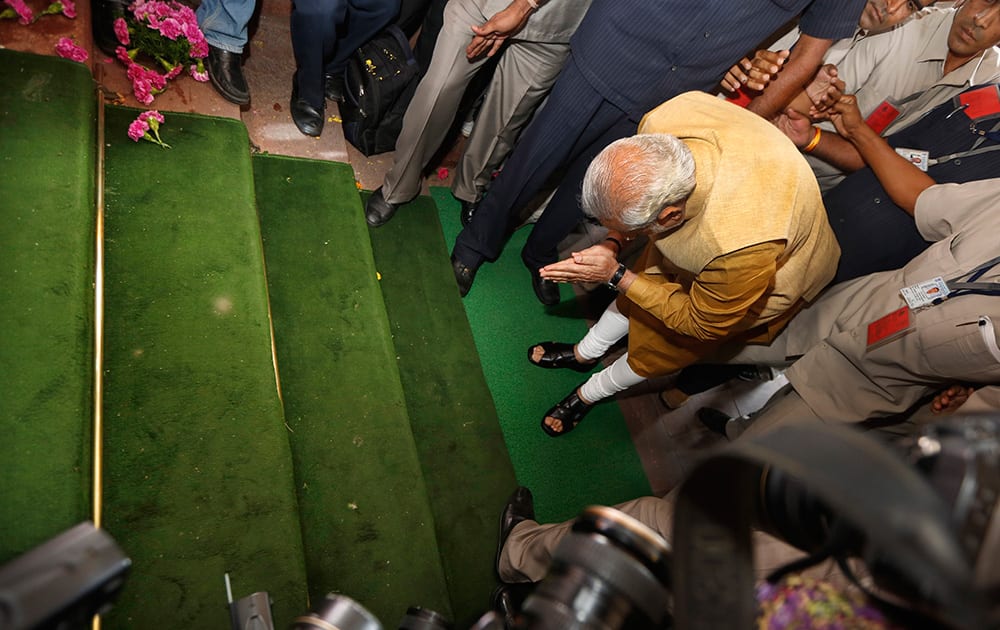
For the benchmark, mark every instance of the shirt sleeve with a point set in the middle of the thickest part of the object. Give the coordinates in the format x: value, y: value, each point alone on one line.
x: 943, y: 209
x: 721, y: 297
x: 831, y: 19
x: 856, y: 67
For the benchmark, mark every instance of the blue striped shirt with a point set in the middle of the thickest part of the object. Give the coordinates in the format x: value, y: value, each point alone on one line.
x: 640, y: 53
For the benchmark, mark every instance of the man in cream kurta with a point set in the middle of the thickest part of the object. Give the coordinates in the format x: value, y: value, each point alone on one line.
x: 753, y: 247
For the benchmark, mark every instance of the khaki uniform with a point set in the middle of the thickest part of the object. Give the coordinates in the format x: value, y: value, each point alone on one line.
x: 839, y: 378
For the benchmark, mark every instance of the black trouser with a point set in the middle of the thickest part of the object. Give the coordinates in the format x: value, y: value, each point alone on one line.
x: 326, y: 32
x: 573, y: 126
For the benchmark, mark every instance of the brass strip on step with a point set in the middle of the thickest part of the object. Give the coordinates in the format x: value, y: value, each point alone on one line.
x: 98, y: 416
x: 99, y: 317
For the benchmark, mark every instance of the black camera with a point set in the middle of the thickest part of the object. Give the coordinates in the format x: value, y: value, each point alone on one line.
x: 610, y: 571
x: 63, y: 582
x: 921, y: 514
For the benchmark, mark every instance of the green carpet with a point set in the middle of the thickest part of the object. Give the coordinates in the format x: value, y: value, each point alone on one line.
x: 366, y: 520
x: 198, y: 477
x: 466, y: 465
x: 596, y: 463
x: 47, y: 144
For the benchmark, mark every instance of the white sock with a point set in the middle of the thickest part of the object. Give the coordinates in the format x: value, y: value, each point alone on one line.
x: 611, y: 327
x: 609, y: 381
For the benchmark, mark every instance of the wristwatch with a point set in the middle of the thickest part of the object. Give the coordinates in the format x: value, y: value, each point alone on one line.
x: 619, y: 274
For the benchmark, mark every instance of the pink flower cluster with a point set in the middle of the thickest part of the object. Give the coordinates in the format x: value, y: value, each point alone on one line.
x: 121, y: 31
x: 68, y: 49
x: 172, y: 20
x: 18, y: 8
x: 167, y: 32
x: 148, y: 121
x: 24, y: 14
x: 146, y: 83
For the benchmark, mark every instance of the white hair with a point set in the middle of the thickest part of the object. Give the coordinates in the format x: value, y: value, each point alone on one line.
x: 634, y: 179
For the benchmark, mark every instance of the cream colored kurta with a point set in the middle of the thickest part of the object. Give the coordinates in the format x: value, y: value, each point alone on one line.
x: 756, y: 202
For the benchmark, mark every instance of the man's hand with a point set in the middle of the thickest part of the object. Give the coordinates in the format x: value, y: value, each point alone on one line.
x: 824, y: 90
x: 490, y: 36
x: 846, y: 117
x: 951, y: 399
x: 755, y: 74
x: 594, y: 264
x: 796, y: 126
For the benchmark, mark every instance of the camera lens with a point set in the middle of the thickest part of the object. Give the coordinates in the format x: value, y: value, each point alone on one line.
x: 610, y: 572
x: 418, y: 618
x: 337, y: 611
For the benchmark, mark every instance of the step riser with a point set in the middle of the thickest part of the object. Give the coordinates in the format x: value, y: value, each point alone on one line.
x: 366, y: 522
x: 47, y: 115
x: 198, y: 478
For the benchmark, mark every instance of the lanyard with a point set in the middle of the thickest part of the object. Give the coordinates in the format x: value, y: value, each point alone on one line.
x: 957, y: 286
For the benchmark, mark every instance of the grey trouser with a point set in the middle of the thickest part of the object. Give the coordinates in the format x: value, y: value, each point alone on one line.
x: 522, y: 79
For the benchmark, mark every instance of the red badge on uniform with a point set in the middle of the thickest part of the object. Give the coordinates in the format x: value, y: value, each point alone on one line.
x: 982, y: 102
x: 889, y: 327
x: 882, y: 117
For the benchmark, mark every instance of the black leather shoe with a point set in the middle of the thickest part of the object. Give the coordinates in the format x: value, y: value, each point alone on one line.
x: 307, y: 118
x: 713, y: 419
x: 225, y: 71
x: 464, y: 275
x: 468, y: 209
x: 507, y: 601
x: 546, y: 291
x: 333, y: 87
x: 520, y: 507
x: 378, y: 211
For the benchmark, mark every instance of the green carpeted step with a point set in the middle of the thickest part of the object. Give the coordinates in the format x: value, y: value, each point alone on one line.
x: 47, y: 145
x: 366, y: 520
x: 198, y: 478
x: 597, y: 462
x: 462, y: 452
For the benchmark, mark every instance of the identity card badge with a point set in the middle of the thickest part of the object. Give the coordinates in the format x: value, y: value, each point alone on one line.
x: 915, y: 157
x: 925, y: 293
x: 889, y: 328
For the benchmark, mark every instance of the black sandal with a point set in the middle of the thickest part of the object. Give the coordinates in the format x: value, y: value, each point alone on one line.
x: 558, y: 355
x: 570, y: 411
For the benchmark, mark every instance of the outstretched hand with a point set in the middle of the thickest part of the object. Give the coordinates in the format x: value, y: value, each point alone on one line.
x: 756, y: 73
x: 796, y: 126
x: 489, y: 36
x: 846, y: 116
x: 825, y: 90
x: 594, y: 264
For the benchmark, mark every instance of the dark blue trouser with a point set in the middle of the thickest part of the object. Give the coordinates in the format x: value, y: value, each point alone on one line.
x: 326, y: 32
x: 566, y: 133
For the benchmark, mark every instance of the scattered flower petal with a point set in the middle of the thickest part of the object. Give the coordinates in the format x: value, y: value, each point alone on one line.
x: 68, y: 49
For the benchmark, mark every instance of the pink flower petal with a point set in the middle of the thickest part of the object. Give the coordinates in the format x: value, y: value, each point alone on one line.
x: 67, y: 49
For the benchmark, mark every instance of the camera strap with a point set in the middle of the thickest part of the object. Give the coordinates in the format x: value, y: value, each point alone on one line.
x: 957, y: 286
x: 902, y: 520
